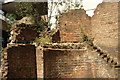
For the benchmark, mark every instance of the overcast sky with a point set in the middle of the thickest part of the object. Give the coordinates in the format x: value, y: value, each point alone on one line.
x: 91, y: 4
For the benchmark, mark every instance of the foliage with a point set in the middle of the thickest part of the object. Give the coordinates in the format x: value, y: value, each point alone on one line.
x: 10, y: 19
x: 45, y: 37
x: 25, y: 9
x: 85, y: 38
x: 43, y: 40
x: 29, y: 9
x: 58, y: 7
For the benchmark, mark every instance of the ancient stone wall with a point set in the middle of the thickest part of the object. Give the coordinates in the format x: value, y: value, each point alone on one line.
x: 73, y: 25
x: 21, y: 61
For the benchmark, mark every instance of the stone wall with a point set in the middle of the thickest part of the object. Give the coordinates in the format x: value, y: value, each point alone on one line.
x: 75, y: 63
x: 73, y: 25
x: 21, y: 61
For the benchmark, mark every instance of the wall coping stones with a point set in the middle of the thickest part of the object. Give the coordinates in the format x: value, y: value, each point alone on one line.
x: 65, y: 46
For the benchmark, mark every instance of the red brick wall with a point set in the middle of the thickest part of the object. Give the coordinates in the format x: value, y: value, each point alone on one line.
x: 105, y: 27
x: 73, y: 24
x: 22, y: 62
x: 66, y: 63
x: 102, y: 27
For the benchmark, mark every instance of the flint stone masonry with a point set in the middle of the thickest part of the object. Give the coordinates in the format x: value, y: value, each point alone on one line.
x: 73, y: 25
x: 105, y: 28
x: 22, y: 62
x: 63, y: 63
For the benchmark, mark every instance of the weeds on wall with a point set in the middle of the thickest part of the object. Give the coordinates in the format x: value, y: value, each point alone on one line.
x: 43, y: 40
x: 45, y: 37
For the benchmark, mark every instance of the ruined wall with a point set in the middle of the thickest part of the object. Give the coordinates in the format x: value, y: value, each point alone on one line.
x: 102, y: 27
x: 69, y: 60
x: 105, y: 28
x: 21, y: 61
x: 19, y: 57
x: 75, y: 63
x: 73, y: 24
x: 22, y: 33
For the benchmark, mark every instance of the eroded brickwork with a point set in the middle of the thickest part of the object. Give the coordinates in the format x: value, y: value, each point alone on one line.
x: 102, y: 28
x: 22, y: 33
x: 69, y: 60
x: 21, y: 61
x: 73, y: 25
x: 105, y: 27
x: 75, y: 63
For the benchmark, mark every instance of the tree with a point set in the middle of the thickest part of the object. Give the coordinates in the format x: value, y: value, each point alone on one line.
x: 56, y: 8
x: 29, y: 9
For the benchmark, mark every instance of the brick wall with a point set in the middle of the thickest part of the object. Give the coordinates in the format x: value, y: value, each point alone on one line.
x: 102, y: 27
x: 22, y: 61
x: 66, y: 63
x: 27, y: 62
x: 105, y: 28
x: 73, y: 24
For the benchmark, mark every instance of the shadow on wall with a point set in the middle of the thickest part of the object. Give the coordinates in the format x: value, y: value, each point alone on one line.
x: 4, y: 38
x: 56, y: 37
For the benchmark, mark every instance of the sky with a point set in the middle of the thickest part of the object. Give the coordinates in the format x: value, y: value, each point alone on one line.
x: 88, y: 5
